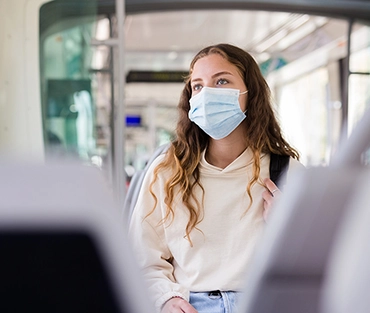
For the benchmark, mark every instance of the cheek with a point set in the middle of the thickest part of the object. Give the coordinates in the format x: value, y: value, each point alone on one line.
x: 243, y: 102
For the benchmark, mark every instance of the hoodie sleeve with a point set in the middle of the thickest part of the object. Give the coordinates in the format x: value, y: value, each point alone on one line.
x: 148, y: 238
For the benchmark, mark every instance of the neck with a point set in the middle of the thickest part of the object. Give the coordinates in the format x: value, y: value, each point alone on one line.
x: 223, y: 152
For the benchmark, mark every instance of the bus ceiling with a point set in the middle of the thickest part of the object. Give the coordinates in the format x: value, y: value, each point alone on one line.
x: 344, y: 9
x: 334, y: 8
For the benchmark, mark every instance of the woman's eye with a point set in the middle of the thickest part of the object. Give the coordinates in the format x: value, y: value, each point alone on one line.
x: 197, y: 87
x: 222, y: 81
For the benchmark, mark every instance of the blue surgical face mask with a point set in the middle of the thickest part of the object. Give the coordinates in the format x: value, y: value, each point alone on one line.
x: 216, y: 111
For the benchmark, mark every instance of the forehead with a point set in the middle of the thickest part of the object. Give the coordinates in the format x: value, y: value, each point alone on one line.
x: 211, y: 64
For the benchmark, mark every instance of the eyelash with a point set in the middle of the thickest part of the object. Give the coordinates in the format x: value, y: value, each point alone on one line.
x: 223, y: 79
x: 197, y: 87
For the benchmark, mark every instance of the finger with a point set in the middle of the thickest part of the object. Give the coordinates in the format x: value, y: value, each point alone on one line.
x: 178, y: 305
x: 173, y: 306
x: 268, y: 200
x: 266, y: 209
x: 271, y: 186
x: 186, y: 307
x: 267, y: 196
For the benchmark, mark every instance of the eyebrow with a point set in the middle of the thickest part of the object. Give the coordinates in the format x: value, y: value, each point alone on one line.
x: 213, y: 76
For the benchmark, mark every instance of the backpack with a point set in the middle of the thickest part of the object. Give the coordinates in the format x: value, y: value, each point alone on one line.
x: 278, y: 166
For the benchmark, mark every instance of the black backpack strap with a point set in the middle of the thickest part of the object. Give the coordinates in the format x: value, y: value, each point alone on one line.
x: 278, y: 165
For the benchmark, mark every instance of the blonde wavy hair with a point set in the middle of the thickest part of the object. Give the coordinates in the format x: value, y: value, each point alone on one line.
x: 263, y: 135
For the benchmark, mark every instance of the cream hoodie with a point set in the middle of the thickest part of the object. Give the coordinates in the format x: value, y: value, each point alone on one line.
x: 223, y: 245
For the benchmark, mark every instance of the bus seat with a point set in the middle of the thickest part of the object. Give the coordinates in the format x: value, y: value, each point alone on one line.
x: 136, y: 182
x: 287, y: 272
x: 347, y: 283
x: 63, y: 244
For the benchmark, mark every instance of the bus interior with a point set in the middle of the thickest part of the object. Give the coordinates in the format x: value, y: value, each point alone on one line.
x: 97, y: 82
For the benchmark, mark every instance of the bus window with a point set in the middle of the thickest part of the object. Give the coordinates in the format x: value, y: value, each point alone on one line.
x: 309, y: 91
x: 75, y: 83
x: 304, y: 117
x: 359, y: 79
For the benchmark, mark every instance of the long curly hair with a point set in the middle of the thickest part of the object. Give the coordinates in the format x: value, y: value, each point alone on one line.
x: 263, y: 135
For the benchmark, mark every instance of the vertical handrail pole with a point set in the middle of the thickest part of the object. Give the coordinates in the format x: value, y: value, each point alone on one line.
x: 345, y: 84
x: 119, y: 125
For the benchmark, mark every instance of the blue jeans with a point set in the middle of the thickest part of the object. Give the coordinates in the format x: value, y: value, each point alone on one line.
x: 215, y: 301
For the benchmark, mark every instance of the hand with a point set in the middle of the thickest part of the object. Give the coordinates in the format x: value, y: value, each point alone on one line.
x: 178, y: 305
x: 269, y: 196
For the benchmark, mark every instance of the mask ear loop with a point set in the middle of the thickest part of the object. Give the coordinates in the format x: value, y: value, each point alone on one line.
x: 243, y: 93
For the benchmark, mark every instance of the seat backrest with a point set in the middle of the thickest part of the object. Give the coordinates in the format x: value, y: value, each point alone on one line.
x: 136, y: 182
x: 286, y: 274
x: 63, y: 244
x: 346, y: 286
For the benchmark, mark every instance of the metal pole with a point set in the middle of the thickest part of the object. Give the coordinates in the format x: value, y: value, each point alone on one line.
x: 119, y: 125
x: 345, y: 83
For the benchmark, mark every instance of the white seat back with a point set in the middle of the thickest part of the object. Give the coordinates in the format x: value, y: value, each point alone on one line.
x: 347, y: 282
x: 63, y: 243
x: 287, y: 272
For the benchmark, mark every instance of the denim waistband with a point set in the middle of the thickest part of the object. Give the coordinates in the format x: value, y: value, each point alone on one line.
x: 215, y: 301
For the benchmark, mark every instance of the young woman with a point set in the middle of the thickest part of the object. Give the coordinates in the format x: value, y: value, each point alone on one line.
x: 204, y: 203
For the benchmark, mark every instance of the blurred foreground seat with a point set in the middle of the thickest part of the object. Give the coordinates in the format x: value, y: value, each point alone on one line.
x: 347, y: 283
x: 63, y: 248
x: 288, y: 272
